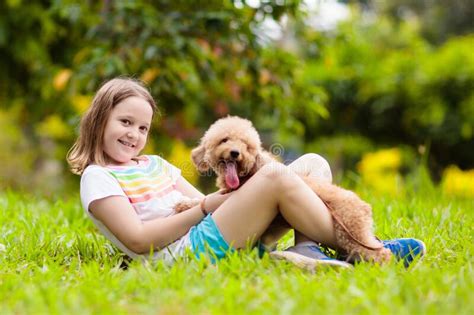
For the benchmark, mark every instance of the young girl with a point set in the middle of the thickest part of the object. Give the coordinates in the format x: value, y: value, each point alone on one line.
x: 130, y: 198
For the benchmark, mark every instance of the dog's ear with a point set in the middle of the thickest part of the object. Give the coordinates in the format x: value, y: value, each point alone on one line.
x: 264, y: 157
x: 261, y: 159
x: 197, y: 154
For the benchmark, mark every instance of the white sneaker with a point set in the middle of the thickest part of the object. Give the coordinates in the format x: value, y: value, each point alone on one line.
x: 308, y: 257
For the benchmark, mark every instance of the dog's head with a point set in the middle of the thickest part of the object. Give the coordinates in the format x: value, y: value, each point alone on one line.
x: 231, y: 148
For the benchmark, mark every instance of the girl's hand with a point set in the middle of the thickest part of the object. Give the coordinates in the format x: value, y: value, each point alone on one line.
x: 186, y: 204
x: 214, y: 200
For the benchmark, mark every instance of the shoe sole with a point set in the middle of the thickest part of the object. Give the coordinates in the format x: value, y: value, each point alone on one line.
x: 423, y: 249
x: 306, y: 262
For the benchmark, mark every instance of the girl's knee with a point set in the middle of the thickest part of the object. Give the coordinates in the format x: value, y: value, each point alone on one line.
x: 273, y: 170
x: 313, y: 165
x: 313, y: 158
x: 276, y: 174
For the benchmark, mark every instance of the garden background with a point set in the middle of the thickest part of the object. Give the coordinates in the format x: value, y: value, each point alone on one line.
x: 382, y: 89
x: 392, y: 75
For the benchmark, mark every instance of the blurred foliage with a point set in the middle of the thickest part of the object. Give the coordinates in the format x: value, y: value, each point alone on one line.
x: 372, y: 82
x: 16, y: 155
x: 180, y: 157
x: 343, y: 150
x: 201, y: 59
x: 439, y: 19
x: 387, y: 84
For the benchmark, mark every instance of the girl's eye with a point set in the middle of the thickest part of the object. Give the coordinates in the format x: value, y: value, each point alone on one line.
x: 224, y: 140
x: 144, y: 129
x: 126, y: 122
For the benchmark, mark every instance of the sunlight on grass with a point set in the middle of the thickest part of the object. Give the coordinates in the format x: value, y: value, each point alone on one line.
x: 53, y: 261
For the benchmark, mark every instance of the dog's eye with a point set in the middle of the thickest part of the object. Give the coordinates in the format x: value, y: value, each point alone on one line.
x: 224, y: 140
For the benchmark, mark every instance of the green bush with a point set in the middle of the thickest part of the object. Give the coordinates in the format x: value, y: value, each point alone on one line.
x: 386, y: 83
x: 202, y: 60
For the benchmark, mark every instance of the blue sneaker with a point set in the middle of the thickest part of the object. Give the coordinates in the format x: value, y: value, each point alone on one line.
x: 406, y: 249
x: 308, y: 257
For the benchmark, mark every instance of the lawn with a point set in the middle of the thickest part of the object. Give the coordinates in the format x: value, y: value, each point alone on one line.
x: 53, y: 262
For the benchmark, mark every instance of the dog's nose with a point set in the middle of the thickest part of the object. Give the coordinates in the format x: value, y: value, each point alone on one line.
x: 234, y: 154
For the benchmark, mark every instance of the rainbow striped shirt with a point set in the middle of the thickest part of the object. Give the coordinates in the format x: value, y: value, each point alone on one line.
x: 150, y: 186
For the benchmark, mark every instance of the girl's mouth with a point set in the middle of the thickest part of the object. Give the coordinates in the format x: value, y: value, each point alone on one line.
x: 126, y: 143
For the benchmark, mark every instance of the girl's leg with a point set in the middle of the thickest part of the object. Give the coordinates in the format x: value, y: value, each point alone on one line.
x: 273, y: 189
x: 312, y: 165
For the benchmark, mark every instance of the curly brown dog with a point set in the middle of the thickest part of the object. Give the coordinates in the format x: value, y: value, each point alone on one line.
x: 232, y: 148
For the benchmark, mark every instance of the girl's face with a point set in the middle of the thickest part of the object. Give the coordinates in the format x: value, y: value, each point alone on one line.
x: 126, y: 130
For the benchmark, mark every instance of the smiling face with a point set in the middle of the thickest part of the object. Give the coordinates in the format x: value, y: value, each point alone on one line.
x: 126, y: 130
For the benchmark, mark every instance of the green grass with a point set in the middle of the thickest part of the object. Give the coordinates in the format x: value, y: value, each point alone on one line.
x: 53, y: 261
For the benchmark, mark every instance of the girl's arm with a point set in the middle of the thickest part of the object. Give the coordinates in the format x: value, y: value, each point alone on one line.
x: 118, y: 215
x: 213, y: 201
x: 120, y: 218
x: 187, y: 189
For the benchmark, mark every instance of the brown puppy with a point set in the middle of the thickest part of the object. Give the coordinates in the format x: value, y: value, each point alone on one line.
x: 233, y: 150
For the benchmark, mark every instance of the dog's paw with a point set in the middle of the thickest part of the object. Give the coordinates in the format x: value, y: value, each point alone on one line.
x: 184, y: 205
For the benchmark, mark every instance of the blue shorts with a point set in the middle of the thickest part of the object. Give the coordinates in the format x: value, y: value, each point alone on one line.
x: 208, y: 240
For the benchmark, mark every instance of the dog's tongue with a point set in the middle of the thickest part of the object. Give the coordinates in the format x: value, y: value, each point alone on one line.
x: 231, y: 178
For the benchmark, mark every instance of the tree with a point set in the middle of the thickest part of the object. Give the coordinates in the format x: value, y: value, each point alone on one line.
x: 201, y: 59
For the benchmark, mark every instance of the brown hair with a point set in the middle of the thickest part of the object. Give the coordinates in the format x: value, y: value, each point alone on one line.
x: 88, y: 147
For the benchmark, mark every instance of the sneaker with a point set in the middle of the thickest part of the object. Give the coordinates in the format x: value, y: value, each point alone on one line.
x: 308, y: 257
x: 406, y: 249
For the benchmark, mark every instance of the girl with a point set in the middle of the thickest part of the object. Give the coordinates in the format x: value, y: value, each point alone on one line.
x: 130, y: 197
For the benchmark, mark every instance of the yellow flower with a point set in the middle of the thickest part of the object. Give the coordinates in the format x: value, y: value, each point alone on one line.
x: 457, y: 182
x: 382, y: 160
x: 379, y: 171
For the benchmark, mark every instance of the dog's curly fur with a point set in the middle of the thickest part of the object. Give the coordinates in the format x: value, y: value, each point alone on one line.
x: 235, y: 140
x: 227, y: 135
